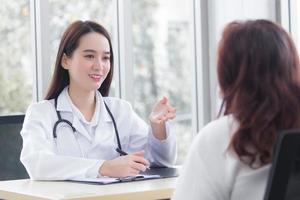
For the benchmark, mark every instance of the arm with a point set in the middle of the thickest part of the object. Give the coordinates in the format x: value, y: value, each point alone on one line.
x: 39, y: 153
x: 159, y: 144
x: 162, y: 142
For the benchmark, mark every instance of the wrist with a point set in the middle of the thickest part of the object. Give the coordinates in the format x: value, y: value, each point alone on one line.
x: 159, y: 130
x: 103, y: 169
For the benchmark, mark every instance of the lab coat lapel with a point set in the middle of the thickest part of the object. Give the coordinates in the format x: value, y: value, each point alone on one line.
x: 80, y: 128
x: 63, y: 105
x: 104, y: 131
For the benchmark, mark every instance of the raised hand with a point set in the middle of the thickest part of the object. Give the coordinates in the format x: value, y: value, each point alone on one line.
x: 161, y: 113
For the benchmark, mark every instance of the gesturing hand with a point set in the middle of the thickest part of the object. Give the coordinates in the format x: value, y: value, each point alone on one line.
x: 123, y: 166
x: 162, y: 112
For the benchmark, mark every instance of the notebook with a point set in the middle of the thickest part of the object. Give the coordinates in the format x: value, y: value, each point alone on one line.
x: 152, y: 173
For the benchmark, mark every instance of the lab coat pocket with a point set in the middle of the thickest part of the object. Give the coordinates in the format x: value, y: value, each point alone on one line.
x: 66, y: 142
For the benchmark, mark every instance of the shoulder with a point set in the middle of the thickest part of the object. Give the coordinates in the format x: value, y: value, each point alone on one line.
x: 218, y: 130
x: 40, y: 106
x: 213, y: 140
x: 40, y: 109
x: 210, y: 149
x: 117, y: 104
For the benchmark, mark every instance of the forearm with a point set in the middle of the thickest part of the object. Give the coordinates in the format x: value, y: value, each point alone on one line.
x: 162, y: 152
x: 55, y: 167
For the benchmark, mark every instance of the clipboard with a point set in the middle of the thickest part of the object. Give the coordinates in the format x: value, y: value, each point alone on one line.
x: 163, y: 172
x: 152, y: 173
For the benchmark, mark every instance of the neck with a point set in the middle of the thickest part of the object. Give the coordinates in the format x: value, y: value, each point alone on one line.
x: 84, y: 101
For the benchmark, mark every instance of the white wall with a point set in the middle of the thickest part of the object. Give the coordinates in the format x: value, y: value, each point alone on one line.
x: 222, y: 12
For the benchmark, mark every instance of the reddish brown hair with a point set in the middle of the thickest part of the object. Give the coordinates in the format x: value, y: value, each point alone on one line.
x: 258, y: 72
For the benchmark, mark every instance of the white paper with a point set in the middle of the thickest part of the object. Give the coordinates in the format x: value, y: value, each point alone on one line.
x: 107, y: 180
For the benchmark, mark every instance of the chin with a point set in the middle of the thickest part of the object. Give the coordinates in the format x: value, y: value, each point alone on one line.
x: 96, y: 87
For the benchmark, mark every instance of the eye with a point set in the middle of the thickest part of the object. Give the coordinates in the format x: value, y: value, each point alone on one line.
x: 89, y: 56
x: 106, y: 57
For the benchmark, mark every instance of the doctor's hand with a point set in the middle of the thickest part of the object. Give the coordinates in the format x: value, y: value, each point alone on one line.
x: 123, y: 166
x: 161, y: 113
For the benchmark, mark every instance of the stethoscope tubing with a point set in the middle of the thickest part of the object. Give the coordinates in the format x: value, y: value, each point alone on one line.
x: 61, y: 120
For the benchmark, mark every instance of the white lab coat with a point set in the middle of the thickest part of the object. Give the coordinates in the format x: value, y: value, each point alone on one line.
x: 68, y: 157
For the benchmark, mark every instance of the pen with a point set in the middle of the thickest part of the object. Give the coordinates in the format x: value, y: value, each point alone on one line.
x: 123, y: 153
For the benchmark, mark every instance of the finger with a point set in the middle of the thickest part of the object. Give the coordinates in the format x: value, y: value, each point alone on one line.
x: 139, y: 166
x: 163, y: 100
x: 140, y: 160
x: 167, y: 117
x: 171, y: 109
x: 170, y: 115
x: 162, y: 112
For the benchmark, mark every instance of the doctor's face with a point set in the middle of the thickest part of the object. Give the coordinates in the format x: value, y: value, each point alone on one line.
x: 90, y: 62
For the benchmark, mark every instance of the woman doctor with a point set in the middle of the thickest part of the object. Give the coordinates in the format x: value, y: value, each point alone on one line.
x: 79, y: 132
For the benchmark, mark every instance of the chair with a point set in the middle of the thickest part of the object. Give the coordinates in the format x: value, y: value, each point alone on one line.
x: 11, y: 167
x: 284, y: 177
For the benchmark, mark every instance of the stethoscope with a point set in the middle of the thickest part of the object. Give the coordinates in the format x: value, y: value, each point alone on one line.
x: 61, y: 120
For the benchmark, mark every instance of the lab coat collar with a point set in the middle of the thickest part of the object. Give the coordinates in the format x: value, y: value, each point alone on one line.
x: 104, y: 115
x: 64, y: 105
x: 63, y: 102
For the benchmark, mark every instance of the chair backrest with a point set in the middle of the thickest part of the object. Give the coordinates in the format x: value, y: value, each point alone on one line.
x: 11, y: 167
x: 284, y: 177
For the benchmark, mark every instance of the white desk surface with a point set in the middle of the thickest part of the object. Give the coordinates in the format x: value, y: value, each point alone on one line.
x: 30, y: 190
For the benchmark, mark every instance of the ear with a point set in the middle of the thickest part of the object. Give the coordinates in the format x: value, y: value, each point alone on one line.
x: 65, y: 61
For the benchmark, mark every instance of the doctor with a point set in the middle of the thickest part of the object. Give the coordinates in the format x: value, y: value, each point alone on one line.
x: 79, y: 132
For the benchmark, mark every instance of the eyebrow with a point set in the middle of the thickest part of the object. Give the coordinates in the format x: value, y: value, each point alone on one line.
x: 93, y: 51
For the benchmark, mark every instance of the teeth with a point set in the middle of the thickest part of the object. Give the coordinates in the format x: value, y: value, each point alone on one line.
x: 95, y: 76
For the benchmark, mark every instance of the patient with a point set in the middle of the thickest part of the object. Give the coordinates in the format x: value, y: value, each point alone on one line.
x: 258, y: 73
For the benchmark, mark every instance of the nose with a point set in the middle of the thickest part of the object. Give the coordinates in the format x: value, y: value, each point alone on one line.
x: 98, y: 65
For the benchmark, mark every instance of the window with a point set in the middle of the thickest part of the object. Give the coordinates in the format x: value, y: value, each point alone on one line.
x: 294, y: 8
x: 162, y: 55
x: 15, y: 54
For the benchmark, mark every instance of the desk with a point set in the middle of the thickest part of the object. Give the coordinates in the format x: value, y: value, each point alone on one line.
x: 30, y: 190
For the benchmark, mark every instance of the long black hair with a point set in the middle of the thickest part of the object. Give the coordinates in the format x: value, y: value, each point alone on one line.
x: 68, y: 44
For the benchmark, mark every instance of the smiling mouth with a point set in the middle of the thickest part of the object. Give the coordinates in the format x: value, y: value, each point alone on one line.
x: 95, y: 77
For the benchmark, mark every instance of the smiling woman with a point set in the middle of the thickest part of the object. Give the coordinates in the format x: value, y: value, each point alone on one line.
x: 72, y: 126
x: 89, y: 64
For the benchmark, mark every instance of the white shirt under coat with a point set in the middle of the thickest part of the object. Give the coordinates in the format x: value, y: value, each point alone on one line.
x: 81, y: 154
x: 212, y: 172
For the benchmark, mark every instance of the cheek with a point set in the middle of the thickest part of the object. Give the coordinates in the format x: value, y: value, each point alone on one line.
x: 107, y: 68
